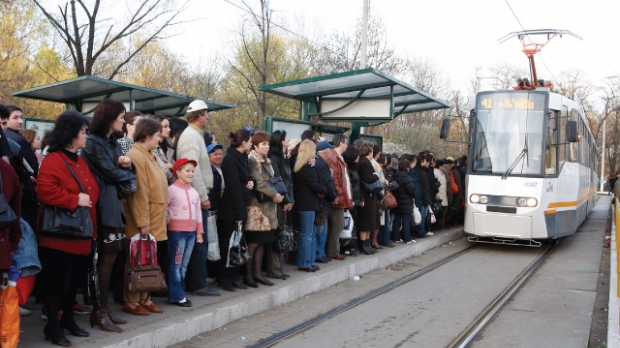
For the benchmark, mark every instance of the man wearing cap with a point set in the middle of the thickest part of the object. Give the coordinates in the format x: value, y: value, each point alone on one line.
x: 342, y: 184
x: 192, y: 145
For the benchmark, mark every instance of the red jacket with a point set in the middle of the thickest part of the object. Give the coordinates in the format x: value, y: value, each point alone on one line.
x: 10, y: 236
x: 342, y: 183
x: 57, y: 187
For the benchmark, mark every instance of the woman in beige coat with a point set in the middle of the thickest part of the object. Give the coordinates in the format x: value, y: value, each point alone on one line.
x: 146, y: 209
x: 262, y: 218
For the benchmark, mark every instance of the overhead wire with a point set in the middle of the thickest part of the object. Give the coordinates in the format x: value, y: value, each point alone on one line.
x: 539, y: 54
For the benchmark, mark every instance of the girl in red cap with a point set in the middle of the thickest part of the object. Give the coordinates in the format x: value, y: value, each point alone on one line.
x: 184, y: 228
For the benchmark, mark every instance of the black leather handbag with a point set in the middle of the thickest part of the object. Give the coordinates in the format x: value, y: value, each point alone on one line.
x: 275, y: 182
x: 7, y: 215
x: 286, y: 236
x: 126, y: 188
x: 64, y: 223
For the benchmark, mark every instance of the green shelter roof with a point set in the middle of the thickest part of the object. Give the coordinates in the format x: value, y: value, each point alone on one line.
x: 88, y: 90
x: 359, y: 85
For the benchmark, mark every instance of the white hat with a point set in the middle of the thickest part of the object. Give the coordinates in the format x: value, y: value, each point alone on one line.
x: 197, y: 105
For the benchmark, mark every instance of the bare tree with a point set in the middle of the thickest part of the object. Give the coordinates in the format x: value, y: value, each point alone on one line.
x: 87, y: 36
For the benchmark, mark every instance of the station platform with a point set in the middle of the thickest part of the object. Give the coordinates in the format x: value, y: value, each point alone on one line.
x: 209, y: 313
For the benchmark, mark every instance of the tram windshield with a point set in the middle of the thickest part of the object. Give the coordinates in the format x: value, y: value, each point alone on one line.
x: 508, y: 138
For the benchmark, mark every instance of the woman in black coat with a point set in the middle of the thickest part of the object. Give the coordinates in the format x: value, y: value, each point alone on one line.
x: 369, y: 215
x: 404, y: 194
x: 422, y: 170
x: 233, y: 203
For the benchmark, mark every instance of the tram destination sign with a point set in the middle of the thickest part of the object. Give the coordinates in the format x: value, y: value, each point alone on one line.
x: 511, y: 101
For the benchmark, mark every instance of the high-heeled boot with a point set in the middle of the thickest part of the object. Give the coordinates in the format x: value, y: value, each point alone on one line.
x: 100, y: 317
x: 366, y: 248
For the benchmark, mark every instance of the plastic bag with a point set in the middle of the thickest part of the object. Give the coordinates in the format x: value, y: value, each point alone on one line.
x: 347, y: 231
x: 238, y: 253
x: 9, y: 309
x: 432, y: 215
x: 417, y: 216
x: 213, y: 247
x: 145, y: 254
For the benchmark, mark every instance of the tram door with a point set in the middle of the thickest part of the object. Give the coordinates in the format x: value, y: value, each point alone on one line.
x: 552, y: 168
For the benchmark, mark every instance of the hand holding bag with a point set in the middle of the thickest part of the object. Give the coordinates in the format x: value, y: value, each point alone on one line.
x: 126, y: 188
x: 238, y: 253
x: 144, y: 278
x: 7, y: 215
x: 347, y: 231
x: 213, y: 247
x: 64, y: 223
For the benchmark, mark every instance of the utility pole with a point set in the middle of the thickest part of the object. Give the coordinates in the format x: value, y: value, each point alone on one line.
x: 602, y: 183
x: 364, y: 59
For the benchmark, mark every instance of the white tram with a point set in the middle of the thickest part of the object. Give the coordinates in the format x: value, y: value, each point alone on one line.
x: 532, y: 167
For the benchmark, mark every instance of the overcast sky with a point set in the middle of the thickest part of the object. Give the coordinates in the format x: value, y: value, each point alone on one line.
x: 456, y: 35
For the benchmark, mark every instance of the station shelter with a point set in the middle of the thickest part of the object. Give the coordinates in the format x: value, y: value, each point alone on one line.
x: 360, y: 98
x: 84, y: 93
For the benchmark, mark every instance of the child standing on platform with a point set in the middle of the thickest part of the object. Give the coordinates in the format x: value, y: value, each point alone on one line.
x: 184, y: 228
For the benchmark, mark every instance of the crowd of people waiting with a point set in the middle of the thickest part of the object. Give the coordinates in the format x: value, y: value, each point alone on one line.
x: 182, y: 177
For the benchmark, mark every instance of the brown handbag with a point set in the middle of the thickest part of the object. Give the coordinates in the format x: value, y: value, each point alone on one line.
x: 389, y: 201
x: 144, y: 278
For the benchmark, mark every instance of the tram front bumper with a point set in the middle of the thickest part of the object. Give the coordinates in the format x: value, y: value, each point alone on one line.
x: 502, y: 225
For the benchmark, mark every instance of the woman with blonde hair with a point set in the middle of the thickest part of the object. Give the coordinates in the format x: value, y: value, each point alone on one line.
x: 307, y: 197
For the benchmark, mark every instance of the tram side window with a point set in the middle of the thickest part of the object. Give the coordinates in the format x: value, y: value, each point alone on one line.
x: 551, y: 163
x: 562, y: 148
x: 572, y: 147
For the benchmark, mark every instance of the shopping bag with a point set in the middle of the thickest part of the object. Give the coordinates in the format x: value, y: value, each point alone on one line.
x: 347, y: 231
x: 417, y: 216
x: 145, y: 252
x: 9, y: 309
x: 238, y: 253
x: 213, y: 246
x: 432, y: 215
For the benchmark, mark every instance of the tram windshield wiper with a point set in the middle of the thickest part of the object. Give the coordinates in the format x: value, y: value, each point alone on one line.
x: 514, y: 164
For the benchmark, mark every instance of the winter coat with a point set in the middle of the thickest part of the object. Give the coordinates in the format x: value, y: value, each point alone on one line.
x: 282, y: 168
x: 26, y: 150
x: 404, y: 193
x: 307, y: 189
x: 457, y: 178
x: 165, y: 157
x: 58, y: 188
x: 149, y: 205
x: 354, y: 176
x: 442, y: 194
x: 424, y: 185
x: 192, y: 145
x: 216, y: 192
x: 342, y: 182
x: 432, y: 182
x: 446, y: 175
x: 10, y: 236
x: 260, y: 171
x: 324, y: 175
x: 102, y: 155
x: 236, y: 196
x: 368, y: 216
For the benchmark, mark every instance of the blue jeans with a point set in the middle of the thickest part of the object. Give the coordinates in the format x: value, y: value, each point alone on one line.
x: 420, y: 230
x: 196, y: 278
x: 405, y: 222
x: 307, y: 240
x: 180, y: 245
x: 384, y: 232
x: 321, y: 239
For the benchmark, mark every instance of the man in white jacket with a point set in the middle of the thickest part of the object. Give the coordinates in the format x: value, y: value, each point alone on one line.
x: 192, y: 146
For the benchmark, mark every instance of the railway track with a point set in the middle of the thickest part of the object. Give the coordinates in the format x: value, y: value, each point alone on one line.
x: 463, y: 339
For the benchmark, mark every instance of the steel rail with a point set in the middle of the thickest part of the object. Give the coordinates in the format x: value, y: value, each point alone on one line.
x: 485, y: 317
x: 271, y: 341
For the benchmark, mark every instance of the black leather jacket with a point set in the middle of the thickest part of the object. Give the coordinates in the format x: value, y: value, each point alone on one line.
x: 102, y: 155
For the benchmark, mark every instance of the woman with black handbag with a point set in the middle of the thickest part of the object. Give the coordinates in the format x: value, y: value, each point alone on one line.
x: 66, y: 182
x: 233, y: 203
x: 275, y: 259
x: 262, y: 217
x: 111, y: 168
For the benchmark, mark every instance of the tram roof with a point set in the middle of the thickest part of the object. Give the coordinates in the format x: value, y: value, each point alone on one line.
x: 90, y: 89
x: 363, y: 84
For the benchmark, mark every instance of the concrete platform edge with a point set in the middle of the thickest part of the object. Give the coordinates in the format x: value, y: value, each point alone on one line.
x: 613, y: 325
x: 181, y: 328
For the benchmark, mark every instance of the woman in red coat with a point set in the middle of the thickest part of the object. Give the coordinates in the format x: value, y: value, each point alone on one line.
x: 63, y: 259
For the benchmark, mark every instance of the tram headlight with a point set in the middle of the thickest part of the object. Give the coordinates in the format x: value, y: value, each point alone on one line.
x: 484, y: 199
x: 532, y: 202
x: 521, y: 201
x: 474, y: 198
